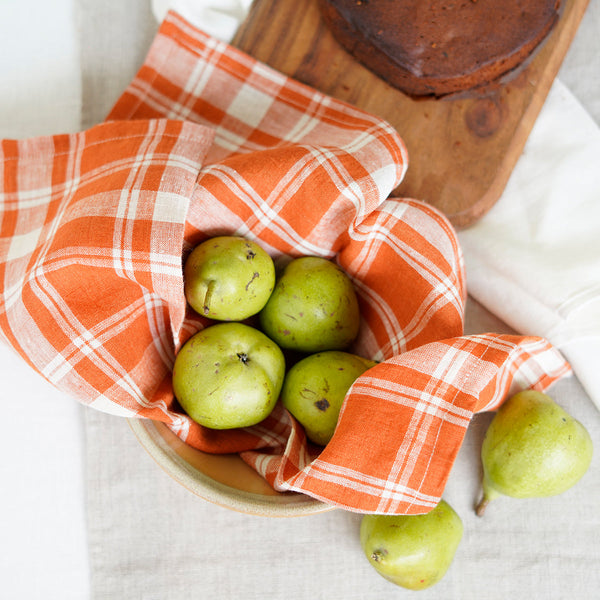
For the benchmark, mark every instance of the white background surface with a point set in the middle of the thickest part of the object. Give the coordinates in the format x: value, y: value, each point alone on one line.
x: 43, y: 538
x: 85, y: 513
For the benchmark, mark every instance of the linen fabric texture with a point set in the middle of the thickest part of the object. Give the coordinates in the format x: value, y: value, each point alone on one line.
x: 208, y: 141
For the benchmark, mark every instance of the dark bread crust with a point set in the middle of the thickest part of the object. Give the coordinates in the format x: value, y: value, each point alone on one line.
x: 439, y: 47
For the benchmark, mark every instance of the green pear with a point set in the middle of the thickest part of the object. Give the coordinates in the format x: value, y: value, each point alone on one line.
x: 315, y: 387
x: 228, y: 278
x: 532, y: 449
x: 228, y: 375
x: 412, y: 551
x: 312, y: 308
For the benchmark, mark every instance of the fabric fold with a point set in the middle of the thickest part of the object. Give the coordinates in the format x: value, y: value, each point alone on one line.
x: 404, y: 421
x: 91, y: 243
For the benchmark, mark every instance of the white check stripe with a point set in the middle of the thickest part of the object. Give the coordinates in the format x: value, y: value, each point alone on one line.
x: 423, y: 265
x: 422, y: 402
x: 59, y: 369
x: 34, y: 199
x: 365, y: 484
x: 127, y: 207
x: 194, y: 87
x: 164, y: 264
x: 261, y: 210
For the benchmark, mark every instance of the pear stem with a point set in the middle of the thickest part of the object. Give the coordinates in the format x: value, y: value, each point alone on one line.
x: 208, y: 296
x: 489, y: 494
x: 482, y: 505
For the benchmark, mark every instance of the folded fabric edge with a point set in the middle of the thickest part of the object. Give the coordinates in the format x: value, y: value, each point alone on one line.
x: 525, y: 314
x: 262, y: 80
x: 584, y: 356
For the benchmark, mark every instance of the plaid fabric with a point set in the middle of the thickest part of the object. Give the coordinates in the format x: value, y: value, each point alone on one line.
x: 90, y: 256
x: 205, y: 141
x: 404, y: 421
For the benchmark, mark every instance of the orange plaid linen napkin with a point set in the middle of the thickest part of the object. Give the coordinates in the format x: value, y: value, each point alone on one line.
x: 205, y: 141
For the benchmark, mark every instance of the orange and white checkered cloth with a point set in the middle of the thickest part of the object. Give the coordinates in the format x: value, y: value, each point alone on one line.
x: 206, y: 141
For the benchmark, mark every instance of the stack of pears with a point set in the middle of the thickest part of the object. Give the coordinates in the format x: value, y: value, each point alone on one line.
x: 232, y: 373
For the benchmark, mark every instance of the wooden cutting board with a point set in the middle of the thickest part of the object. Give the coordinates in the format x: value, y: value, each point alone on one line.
x: 461, y: 151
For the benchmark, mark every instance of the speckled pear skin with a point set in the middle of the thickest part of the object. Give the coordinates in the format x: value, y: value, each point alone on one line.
x: 315, y: 387
x: 228, y: 278
x: 412, y: 551
x: 228, y: 375
x: 312, y: 308
x: 532, y: 449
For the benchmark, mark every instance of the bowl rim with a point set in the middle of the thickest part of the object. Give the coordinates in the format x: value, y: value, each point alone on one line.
x: 149, y: 434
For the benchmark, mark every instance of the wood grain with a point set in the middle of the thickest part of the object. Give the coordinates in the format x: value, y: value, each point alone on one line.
x: 462, y: 150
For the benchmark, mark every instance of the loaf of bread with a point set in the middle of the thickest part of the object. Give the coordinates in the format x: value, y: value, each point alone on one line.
x: 439, y: 47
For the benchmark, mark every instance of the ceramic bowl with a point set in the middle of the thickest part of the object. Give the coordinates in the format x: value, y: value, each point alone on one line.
x: 225, y: 480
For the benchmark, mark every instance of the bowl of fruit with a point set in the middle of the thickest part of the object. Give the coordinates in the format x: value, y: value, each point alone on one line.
x: 270, y: 336
x: 277, y: 337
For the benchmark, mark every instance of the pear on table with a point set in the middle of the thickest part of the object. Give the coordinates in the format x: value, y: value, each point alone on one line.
x: 412, y: 551
x: 532, y: 449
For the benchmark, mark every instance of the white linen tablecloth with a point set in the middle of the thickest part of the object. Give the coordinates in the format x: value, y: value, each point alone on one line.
x: 85, y: 512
